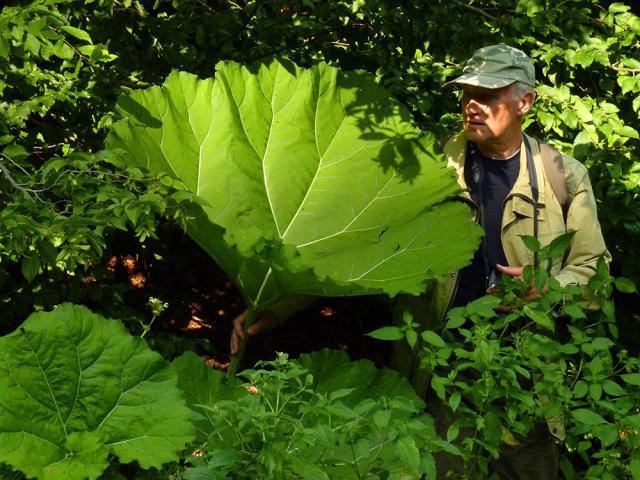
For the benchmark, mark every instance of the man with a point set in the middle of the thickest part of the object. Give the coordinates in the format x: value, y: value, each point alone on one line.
x: 512, y: 193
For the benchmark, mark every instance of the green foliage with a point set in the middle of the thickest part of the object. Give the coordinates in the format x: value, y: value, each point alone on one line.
x: 508, y: 361
x: 301, y: 169
x: 75, y: 387
x: 320, y: 416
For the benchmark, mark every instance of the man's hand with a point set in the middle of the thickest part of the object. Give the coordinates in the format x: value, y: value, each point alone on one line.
x: 516, y: 272
x: 265, y: 321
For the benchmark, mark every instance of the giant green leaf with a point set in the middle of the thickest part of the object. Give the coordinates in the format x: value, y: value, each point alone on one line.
x: 315, y: 180
x: 75, y: 387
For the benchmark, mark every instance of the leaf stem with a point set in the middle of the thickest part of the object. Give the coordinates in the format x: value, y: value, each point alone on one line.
x: 249, y: 319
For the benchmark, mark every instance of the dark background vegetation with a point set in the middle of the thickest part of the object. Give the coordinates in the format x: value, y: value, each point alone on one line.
x: 72, y: 228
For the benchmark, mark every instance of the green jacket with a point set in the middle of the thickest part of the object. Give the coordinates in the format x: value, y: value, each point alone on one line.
x: 577, y: 267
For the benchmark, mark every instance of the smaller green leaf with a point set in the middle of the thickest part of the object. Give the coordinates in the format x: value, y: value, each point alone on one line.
x: 608, y: 434
x: 568, y: 349
x: 613, y: 389
x: 632, y: 378
x: 559, y: 245
x: 408, y: 453
x: 454, y: 401
x: 595, y: 391
x: 77, y: 33
x: 580, y: 389
x: 433, y: 338
x: 381, y: 418
x: 627, y: 131
x: 452, y: 432
x: 574, y: 311
x: 539, y: 317
x: 484, y: 306
x: 32, y: 44
x: 133, y: 212
x: 387, y: 333
x: 531, y: 242
x: 608, y: 309
x: 628, y: 83
x: 30, y: 267
x: 4, y: 47
x: 619, y: 7
x: 625, y: 285
x: 456, y: 318
x: 601, y: 343
x: 541, y: 278
x: 588, y: 417
x: 340, y: 393
x: 412, y: 337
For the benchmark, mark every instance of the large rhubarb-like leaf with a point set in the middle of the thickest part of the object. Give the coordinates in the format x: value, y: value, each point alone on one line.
x: 75, y: 387
x: 302, y: 169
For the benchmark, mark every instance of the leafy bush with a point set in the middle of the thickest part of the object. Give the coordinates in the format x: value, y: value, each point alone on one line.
x: 75, y: 387
x: 318, y: 417
x: 547, y: 360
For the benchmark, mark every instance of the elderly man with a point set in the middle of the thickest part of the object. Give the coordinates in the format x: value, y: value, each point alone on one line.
x: 516, y: 186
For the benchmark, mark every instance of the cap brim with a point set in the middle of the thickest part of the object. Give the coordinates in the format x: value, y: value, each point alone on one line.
x: 485, y: 81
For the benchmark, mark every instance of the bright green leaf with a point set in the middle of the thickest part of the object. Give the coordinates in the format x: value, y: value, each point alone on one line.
x: 531, y: 242
x: 625, y: 285
x: 77, y: 33
x: 588, y: 417
x: 631, y: 378
x: 75, y: 387
x: 302, y: 169
x: 387, y: 333
x: 30, y: 267
x: 612, y: 388
x: 454, y: 401
x: 433, y: 338
x: 539, y: 317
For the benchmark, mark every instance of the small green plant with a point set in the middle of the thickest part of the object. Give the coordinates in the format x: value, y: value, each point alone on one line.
x: 319, y: 417
x: 156, y: 306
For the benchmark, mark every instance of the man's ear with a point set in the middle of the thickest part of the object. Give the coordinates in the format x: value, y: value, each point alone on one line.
x: 525, y: 103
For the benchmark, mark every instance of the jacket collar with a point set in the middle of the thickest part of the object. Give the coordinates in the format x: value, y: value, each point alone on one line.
x: 456, y: 151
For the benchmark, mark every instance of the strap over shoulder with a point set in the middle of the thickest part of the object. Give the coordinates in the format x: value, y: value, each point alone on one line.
x: 554, y: 168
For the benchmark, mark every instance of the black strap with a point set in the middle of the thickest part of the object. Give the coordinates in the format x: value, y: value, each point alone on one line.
x: 535, y: 193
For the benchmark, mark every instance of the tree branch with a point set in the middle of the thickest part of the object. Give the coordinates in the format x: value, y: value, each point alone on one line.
x: 478, y: 10
x: 625, y: 69
x: 12, y: 181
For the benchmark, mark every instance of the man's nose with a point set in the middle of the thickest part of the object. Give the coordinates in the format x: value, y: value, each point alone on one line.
x: 472, y: 106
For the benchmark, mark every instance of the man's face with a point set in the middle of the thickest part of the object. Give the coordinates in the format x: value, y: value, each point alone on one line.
x: 490, y: 115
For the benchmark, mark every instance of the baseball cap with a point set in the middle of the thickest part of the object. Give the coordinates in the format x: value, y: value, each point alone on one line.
x: 497, y: 66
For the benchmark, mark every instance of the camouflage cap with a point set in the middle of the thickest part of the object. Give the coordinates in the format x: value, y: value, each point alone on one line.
x: 497, y: 66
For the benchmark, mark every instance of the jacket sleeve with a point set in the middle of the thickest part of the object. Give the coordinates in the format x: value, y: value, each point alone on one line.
x: 587, y: 244
x: 290, y: 305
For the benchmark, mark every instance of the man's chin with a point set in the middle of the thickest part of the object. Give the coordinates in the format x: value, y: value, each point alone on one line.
x: 473, y: 135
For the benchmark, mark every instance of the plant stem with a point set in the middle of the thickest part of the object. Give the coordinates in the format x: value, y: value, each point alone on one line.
x: 148, y: 327
x: 237, y: 358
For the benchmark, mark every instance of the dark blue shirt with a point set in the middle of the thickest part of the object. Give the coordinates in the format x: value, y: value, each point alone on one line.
x: 489, y: 182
